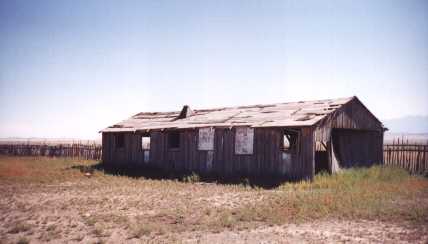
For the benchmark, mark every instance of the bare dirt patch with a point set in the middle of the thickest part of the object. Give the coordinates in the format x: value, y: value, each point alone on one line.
x: 326, y: 231
x: 55, y: 202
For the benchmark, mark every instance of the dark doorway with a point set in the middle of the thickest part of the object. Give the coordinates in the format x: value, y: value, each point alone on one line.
x: 357, y: 147
x: 321, y: 162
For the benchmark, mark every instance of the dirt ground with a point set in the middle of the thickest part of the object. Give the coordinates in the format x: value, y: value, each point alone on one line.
x: 65, y: 206
x: 327, y: 231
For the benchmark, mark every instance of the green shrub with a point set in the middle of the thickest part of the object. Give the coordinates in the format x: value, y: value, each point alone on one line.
x: 19, y: 227
x: 192, y: 178
x: 22, y: 240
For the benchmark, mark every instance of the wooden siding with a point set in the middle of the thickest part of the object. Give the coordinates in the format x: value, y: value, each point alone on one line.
x: 267, y: 157
x: 306, y: 166
x: 352, y: 118
x: 357, y: 147
x: 363, y: 131
x: 410, y: 156
x: 265, y: 160
x: 131, y: 152
x: 352, y: 115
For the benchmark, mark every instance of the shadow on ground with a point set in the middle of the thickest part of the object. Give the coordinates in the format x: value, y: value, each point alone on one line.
x: 182, y: 176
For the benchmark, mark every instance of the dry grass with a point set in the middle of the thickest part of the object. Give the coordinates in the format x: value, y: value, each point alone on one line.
x: 22, y: 240
x: 19, y: 227
x: 50, y: 200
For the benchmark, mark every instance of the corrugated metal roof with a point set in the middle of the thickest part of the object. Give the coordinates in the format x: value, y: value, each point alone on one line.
x: 291, y: 114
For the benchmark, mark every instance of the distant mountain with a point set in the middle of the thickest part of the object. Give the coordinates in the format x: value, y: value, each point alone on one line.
x: 408, y: 124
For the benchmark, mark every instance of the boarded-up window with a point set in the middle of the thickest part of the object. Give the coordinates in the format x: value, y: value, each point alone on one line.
x: 145, y: 142
x: 206, y: 139
x: 244, y: 139
x: 145, y: 146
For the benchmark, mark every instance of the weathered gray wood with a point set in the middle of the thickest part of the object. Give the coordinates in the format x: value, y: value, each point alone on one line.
x: 406, y: 155
x: 266, y: 159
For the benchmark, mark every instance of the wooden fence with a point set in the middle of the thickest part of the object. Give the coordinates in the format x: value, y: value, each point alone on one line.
x: 74, y: 150
x: 410, y: 156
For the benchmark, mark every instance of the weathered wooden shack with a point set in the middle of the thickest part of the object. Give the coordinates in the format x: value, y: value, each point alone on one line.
x: 296, y: 139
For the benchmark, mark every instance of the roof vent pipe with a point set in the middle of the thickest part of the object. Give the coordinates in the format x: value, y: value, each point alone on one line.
x: 185, y: 112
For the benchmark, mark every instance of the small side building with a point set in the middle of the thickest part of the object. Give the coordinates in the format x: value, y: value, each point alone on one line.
x: 295, y: 140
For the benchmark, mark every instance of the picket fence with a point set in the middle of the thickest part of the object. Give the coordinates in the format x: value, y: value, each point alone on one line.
x: 410, y: 156
x: 73, y: 150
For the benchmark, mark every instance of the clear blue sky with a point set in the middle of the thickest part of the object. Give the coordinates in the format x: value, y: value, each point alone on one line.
x: 71, y: 68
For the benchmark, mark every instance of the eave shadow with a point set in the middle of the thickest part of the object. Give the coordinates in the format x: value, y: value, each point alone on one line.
x: 143, y: 171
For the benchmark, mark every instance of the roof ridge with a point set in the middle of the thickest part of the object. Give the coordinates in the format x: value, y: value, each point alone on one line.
x: 262, y: 105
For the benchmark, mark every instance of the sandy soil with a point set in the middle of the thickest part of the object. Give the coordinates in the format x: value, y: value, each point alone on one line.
x: 331, y: 231
x: 90, y: 211
x: 61, y: 205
